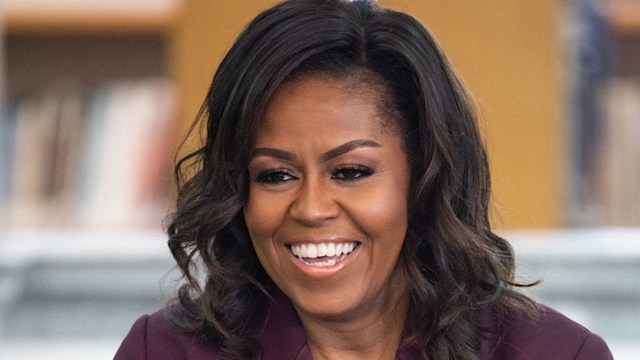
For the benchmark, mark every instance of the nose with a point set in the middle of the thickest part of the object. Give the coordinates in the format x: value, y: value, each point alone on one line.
x: 314, y: 204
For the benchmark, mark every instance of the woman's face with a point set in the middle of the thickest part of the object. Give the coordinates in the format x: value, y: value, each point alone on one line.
x: 327, y: 205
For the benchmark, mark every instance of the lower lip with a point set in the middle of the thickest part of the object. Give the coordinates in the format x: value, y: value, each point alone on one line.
x: 323, y: 271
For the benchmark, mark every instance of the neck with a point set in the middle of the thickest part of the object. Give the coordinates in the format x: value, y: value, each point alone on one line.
x: 372, y: 332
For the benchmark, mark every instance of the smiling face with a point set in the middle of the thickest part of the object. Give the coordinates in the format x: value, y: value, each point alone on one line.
x: 327, y: 204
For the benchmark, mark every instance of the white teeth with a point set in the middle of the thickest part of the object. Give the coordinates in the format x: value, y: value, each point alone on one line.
x: 331, y: 249
x: 322, y: 250
x: 347, y: 248
x: 312, y: 251
x: 329, y: 262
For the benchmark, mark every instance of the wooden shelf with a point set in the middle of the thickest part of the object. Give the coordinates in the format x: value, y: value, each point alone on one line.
x: 27, y: 20
x: 54, y: 49
x: 624, y: 16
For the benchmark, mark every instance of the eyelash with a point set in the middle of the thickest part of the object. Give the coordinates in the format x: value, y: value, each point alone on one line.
x: 275, y: 176
x: 344, y: 173
x: 356, y: 172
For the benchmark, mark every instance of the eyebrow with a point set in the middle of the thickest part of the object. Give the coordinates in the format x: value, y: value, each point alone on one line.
x: 348, y: 146
x: 275, y: 153
x: 331, y: 154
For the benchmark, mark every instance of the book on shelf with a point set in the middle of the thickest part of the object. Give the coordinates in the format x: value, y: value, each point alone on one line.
x: 74, y: 157
x: 618, y: 179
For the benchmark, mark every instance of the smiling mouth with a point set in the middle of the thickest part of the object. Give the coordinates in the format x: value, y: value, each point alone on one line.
x: 323, y: 254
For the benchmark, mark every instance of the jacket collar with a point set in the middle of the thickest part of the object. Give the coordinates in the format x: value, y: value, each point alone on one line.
x: 280, y: 331
x: 282, y: 336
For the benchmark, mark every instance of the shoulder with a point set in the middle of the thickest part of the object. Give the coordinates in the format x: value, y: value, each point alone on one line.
x: 277, y: 329
x: 549, y: 335
x: 153, y: 337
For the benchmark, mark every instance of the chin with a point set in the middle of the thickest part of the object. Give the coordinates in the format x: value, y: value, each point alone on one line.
x: 329, y: 307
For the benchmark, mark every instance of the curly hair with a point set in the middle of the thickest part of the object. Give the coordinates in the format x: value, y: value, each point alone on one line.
x: 453, y: 261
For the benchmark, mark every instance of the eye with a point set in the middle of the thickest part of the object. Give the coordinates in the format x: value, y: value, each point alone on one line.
x: 351, y: 172
x: 275, y: 176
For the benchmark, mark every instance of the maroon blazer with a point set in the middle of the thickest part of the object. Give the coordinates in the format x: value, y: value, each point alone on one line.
x: 551, y: 337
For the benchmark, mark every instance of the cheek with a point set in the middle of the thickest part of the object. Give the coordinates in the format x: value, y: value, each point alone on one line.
x: 254, y: 212
x: 387, y: 209
x: 381, y: 213
x: 251, y: 218
x: 384, y: 220
x: 388, y: 199
x: 258, y: 225
x: 263, y: 217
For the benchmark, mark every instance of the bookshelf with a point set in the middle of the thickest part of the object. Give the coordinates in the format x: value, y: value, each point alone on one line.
x: 603, y: 93
x: 87, y: 128
x: 77, y: 19
x: 131, y: 38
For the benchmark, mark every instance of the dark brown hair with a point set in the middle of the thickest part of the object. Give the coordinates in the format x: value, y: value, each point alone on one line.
x: 454, y: 263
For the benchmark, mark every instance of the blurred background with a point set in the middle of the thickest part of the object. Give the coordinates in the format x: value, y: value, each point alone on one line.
x: 96, y: 95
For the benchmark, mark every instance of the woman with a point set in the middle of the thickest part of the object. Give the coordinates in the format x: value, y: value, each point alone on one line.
x: 339, y: 205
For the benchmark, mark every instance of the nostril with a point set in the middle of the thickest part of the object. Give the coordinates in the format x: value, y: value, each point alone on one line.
x: 313, y: 206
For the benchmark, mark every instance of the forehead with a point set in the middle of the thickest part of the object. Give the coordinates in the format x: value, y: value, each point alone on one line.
x: 323, y: 102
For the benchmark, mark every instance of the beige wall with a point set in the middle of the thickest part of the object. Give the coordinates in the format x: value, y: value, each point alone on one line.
x: 505, y: 51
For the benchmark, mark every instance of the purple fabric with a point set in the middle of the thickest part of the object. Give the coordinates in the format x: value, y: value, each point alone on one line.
x: 552, y: 336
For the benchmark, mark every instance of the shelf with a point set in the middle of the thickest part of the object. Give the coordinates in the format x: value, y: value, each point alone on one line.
x: 624, y: 16
x: 32, y: 17
x: 91, y: 61
x: 24, y: 247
